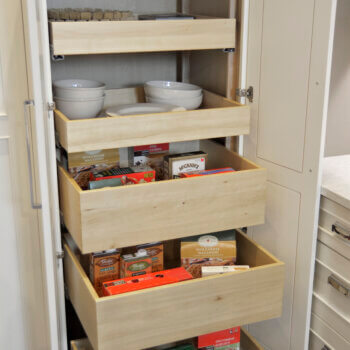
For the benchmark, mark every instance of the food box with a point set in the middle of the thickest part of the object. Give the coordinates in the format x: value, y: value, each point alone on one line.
x: 228, y: 339
x: 136, y: 264
x: 176, y: 164
x: 104, y: 266
x: 215, y: 249
x: 150, y: 280
x: 156, y: 252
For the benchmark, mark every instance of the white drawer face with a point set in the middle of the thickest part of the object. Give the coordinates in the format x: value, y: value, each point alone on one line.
x: 332, y: 279
x: 325, y: 337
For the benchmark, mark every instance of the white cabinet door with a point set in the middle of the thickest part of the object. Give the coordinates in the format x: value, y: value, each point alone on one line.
x: 289, y: 60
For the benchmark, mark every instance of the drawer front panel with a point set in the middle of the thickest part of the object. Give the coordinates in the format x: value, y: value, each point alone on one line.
x: 327, y: 335
x: 316, y: 343
x: 131, y: 215
x: 332, y: 240
x: 178, y: 311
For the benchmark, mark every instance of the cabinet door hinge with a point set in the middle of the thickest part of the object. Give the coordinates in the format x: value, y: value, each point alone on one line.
x: 60, y: 254
x: 51, y: 106
x: 248, y: 93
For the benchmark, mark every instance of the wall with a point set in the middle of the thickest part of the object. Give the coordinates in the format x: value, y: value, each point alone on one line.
x: 338, y: 125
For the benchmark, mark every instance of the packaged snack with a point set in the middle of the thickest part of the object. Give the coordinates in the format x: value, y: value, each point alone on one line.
x: 219, y: 270
x: 207, y: 172
x: 153, y: 149
x: 228, y: 339
x: 96, y: 185
x: 176, y: 164
x: 130, y: 284
x: 156, y: 252
x: 215, y: 249
x: 104, y: 266
x: 136, y: 264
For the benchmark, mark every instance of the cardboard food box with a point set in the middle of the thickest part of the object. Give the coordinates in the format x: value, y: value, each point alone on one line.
x: 136, y: 264
x: 104, y: 266
x: 151, y: 280
x: 215, y: 249
x: 228, y: 339
x: 156, y: 252
x: 176, y: 164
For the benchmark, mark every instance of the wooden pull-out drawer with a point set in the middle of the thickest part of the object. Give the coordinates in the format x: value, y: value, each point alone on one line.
x: 130, y: 215
x: 218, y: 117
x: 247, y: 343
x: 79, y: 38
x: 332, y: 280
x: 322, y: 337
x: 161, y: 315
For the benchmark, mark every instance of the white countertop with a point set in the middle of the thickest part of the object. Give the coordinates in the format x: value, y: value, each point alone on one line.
x: 336, y: 179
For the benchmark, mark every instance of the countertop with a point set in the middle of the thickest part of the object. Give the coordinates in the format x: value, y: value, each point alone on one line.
x: 336, y: 179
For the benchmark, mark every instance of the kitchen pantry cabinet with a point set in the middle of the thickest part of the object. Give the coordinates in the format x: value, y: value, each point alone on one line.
x: 287, y: 67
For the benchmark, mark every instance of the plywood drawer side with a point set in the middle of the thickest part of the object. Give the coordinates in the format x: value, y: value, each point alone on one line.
x: 131, y: 215
x: 79, y: 38
x: 179, y: 311
x: 219, y: 117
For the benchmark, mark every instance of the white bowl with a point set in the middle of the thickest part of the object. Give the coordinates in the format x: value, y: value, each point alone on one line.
x: 171, y: 89
x: 78, y: 89
x: 188, y: 103
x: 80, y: 109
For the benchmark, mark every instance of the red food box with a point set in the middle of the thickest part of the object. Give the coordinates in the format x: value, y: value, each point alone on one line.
x: 220, y: 339
x: 207, y: 172
x: 158, y: 148
x: 149, y: 280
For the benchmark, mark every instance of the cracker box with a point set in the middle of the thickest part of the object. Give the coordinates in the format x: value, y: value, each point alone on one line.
x: 176, y: 164
x: 228, y: 339
x: 215, y: 249
x: 104, y: 266
x: 137, y: 264
x: 156, y: 252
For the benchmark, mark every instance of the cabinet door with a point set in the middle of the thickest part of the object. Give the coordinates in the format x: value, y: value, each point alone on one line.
x: 289, y: 60
x: 41, y: 132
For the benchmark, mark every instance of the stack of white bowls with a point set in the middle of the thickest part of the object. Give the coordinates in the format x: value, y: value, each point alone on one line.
x: 78, y: 98
x: 170, y: 92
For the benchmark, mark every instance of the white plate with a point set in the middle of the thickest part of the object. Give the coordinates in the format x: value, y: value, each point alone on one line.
x: 142, y: 108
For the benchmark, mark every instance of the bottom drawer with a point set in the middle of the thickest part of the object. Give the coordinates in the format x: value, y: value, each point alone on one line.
x: 331, y: 339
x: 247, y: 343
x: 184, y: 310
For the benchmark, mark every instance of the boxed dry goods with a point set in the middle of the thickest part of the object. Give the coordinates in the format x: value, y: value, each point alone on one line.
x: 215, y: 249
x: 176, y: 164
x: 104, y: 266
x: 228, y: 339
x: 156, y: 252
x: 136, y: 264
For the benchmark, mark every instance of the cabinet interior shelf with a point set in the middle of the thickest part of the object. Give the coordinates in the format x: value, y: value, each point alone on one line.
x: 106, y: 37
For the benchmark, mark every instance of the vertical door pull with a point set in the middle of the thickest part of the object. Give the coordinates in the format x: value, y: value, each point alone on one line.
x: 26, y: 104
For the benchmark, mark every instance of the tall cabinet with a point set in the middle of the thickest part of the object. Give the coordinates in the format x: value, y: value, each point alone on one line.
x: 283, y: 52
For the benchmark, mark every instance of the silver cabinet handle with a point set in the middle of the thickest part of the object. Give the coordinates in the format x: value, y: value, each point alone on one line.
x: 339, y: 285
x: 341, y: 231
x: 26, y: 104
x: 325, y: 348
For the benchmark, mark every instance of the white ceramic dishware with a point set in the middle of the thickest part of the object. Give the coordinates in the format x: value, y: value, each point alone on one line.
x: 79, y: 89
x: 80, y: 109
x: 142, y: 108
x: 188, y: 103
x: 171, y: 89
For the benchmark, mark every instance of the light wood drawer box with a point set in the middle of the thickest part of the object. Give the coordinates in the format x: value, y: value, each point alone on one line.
x: 332, y: 280
x: 325, y: 338
x: 247, y: 343
x: 218, y: 117
x: 130, y: 215
x: 79, y: 38
x: 184, y: 310
x: 328, y: 315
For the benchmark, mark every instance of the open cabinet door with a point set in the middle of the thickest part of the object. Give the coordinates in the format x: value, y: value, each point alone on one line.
x: 41, y: 132
x: 289, y: 61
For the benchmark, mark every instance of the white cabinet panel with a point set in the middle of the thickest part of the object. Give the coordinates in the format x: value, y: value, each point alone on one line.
x: 2, y: 102
x: 285, y: 64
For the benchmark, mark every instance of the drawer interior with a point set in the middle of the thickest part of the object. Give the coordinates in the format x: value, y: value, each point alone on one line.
x: 231, y: 300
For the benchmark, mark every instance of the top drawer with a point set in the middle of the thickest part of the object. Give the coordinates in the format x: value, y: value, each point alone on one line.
x: 131, y: 215
x: 218, y: 117
x: 79, y: 38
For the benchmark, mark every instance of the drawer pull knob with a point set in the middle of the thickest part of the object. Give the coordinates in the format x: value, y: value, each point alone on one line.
x: 341, y: 231
x: 325, y: 348
x: 339, y: 285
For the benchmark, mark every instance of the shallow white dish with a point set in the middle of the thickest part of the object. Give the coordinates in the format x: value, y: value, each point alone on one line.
x: 80, y: 109
x: 78, y: 89
x: 188, y: 103
x: 171, y: 89
x: 142, y: 108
